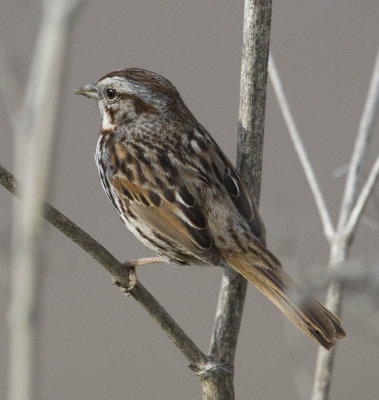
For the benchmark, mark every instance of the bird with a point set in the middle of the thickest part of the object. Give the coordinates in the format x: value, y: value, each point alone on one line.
x: 177, y: 192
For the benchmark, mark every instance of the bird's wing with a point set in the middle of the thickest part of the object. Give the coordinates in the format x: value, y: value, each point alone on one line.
x: 160, y: 201
x: 220, y: 170
x: 232, y: 216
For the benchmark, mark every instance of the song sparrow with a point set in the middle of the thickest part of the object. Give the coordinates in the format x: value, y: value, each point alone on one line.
x: 178, y: 193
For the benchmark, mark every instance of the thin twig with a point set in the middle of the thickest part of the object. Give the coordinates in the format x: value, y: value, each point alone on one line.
x: 361, y: 145
x: 360, y: 204
x: 192, y: 353
x: 34, y: 138
x: 300, y: 149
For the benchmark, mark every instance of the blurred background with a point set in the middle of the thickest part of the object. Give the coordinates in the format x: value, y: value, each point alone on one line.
x: 98, y: 344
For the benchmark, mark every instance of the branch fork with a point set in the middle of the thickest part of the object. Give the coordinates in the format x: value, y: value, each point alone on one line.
x: 352, y: 205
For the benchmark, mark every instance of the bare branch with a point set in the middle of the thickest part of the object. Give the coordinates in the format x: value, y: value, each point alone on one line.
x: 300, y: 149
x: 229, y: 308
x: 34, y: 130
x: 253, y: 83
x: 358, y: 275
x: 194, y: 356
x: 361, y: 145
x: 339, y: 239
x: 341, y: 242
x: 360, y: 204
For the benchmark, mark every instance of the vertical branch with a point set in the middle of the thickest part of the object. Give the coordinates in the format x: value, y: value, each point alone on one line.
x: 34, y: 141
x: 255, y: 50
x: 253, y: 84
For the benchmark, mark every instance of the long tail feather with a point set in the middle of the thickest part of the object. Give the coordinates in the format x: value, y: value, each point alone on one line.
x: 304, y: 311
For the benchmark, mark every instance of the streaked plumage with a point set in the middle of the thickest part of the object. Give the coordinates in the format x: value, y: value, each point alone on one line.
x: 178, y: 193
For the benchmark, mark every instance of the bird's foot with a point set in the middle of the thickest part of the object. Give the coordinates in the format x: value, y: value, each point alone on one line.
x: 132, y: 280
x: 142, y: 261
x: 127, y: 288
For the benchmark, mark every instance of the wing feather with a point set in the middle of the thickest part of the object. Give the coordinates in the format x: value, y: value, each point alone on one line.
x: 230, y: 182
x: 182, y: 224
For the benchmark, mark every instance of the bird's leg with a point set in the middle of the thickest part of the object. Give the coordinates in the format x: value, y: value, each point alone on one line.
x: 131, y: 265
x: 142, y: 261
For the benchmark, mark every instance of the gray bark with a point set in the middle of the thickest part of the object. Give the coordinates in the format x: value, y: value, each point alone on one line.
x: 253, y: 83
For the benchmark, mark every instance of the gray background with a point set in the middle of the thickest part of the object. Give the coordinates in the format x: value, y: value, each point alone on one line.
x: 97, y: 344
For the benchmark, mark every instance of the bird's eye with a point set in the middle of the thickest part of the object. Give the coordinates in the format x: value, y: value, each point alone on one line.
x: 111, y: 93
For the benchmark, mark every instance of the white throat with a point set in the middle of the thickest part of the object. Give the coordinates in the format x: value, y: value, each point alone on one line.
x: 107, y: 123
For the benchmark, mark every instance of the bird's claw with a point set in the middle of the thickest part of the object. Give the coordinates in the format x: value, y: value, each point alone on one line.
x: 132, y: 280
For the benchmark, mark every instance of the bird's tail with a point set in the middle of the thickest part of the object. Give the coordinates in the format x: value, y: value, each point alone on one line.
x: 304, y: 311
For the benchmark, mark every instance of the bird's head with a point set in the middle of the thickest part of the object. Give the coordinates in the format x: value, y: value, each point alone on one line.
x: 133, y: 94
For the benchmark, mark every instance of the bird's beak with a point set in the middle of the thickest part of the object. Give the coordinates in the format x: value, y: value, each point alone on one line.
x: 89, y: 90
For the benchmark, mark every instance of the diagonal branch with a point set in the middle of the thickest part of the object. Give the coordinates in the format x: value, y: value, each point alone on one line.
x: 360, y: 204
x: 191, y: 352
x: 361, y: 145
x: 300, y: 149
